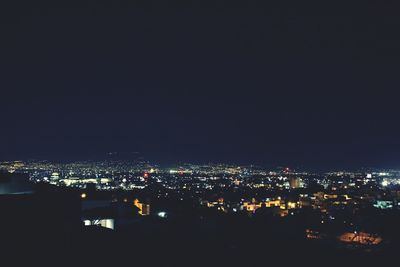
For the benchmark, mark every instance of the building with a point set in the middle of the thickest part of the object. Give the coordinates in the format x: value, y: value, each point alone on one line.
x: 98, y: 212
x: 294, y: 182
x: 144, y: 209
x: 360, y: 238
x: 383, y: 204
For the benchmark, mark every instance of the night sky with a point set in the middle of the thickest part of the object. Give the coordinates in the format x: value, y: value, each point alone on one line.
x: 298, y: 83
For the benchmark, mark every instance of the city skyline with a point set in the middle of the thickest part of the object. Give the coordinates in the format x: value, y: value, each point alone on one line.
x: 163, y: 159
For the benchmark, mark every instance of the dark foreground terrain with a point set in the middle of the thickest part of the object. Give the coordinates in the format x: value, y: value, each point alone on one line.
x: 44, y: 229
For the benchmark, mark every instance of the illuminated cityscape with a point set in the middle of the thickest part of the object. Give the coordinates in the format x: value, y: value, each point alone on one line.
x: 332, y: 212
x: 200, y: 133
x: 328, y: 197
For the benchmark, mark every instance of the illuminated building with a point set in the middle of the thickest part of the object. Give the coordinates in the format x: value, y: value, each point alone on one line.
x: 273, y: 203
x: 385, y: 182
x: 99, y: 212
x: 319, y: 195
x: 383, y: 204
x: 360, y: 238
x: 144, y: 209
x: 311, y: 234
x: 292, y: 205
x: 107, y: 223
x: 330, y: 196
x: 253, y: 206
x: 283, y: 212
x: 74, y: 180
x: 180, y: 171
x: 55, y: 176
x: 294, y: 182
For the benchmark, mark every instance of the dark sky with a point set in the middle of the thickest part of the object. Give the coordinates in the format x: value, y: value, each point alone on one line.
x: 269, y: 82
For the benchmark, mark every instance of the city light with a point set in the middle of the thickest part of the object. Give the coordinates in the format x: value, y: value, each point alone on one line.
x: 162, y: 214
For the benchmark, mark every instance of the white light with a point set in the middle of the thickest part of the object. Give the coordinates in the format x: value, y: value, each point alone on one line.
x: 124, y: 180
x: 385, y: 183
x: 162, y: 214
